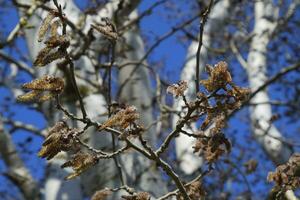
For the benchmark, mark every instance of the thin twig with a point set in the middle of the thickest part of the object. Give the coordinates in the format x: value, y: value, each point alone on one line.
x: 167, y: 168
x: 69, y: 60
x: 141, y: 16
x: 20, y: 65
x: 198, y: 178
x: 84, y: 115
x: 238, y: 55
x: 271, y: 80
x: 181, y: 124
x: 202, y: 24
x: 157, y: 43
x: 22, y: 23
x: 115, y: 158
x: 227, y: 161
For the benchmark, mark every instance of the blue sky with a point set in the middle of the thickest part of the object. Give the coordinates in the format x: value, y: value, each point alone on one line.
x: 172, y: 52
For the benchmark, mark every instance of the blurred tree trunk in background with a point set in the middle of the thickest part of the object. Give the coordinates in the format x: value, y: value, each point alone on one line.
x: 134, y: 165
x: 257, y: 39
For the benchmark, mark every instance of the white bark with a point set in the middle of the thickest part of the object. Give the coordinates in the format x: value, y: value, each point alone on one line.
x: 55, y: 187
x: 289, y: 195
x: 105, y: 175
x: 139, y: 89
x: 138, y: 92
x: 263, y: 130
x: 189, y: 162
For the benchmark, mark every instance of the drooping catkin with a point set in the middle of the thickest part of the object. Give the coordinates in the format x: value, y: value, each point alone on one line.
x: 45, y: 26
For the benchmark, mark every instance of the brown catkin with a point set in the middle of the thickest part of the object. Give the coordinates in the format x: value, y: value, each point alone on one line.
x: 54, y: 28
x: 45, y: 83
x: 45, y: 25
x: 29, y: 97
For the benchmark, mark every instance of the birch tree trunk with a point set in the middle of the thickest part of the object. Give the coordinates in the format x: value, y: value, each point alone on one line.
x: 264, y: 132
x: 189, y: 162
x: 137, y: 91
x: 106, y: 175
x: 55, y: 187
x: 260, y: 114
x: 136, y: 169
